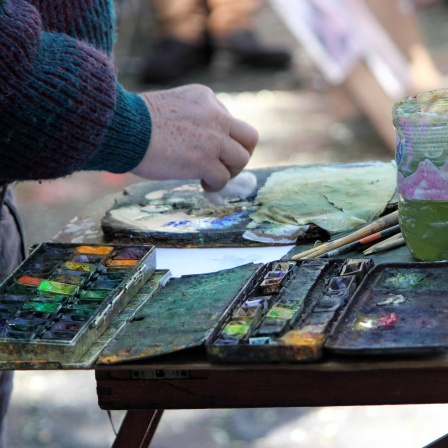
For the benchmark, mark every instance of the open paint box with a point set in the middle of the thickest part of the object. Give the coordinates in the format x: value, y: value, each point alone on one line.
x: 281, y: 311
x: 63, y: 296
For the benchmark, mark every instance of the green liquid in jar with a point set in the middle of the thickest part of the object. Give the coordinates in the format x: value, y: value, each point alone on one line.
x: 424, y: 225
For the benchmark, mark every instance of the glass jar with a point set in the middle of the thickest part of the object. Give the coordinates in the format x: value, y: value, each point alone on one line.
x: 421, y: 124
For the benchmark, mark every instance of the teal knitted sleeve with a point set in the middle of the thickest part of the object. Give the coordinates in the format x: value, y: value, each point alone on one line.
x: 61, y: 108
x: 127, y: 136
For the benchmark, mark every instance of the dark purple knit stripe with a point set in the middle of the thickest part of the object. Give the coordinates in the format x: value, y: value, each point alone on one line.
x: 88, y: 20
x: 19, y: 29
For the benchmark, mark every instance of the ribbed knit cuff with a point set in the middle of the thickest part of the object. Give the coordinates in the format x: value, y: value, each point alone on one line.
x: 127, y: 137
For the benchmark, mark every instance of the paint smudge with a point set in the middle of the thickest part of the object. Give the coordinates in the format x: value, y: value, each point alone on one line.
x: 374, y: 322
x: 397, y: 299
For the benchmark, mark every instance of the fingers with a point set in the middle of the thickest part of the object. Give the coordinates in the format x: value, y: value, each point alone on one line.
x: 234, y: 156
x: 216, y: 178
x: 238, y: 146
x: 244, y: 134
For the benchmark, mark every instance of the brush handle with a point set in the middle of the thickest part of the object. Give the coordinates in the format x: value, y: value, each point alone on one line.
x: 366, y: 240
x: 390, y: 243
x: 376, y: 226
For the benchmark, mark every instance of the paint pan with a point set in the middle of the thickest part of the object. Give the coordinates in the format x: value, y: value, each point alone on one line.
x: 271, y: 326
x: 87, y: 258
x: 50, y: 299
x: 274, y: 275
x: 129, y: 253
x: 283, y: 312
x: 76, y: 266
x: 113, y: 277
x: 236, y: 329
x: 120, y: 265
x: 30, y: 280
x: 22, y: 323
x: 65, y: 336
x: 328, y: 303
x: 344, y: 287
x: 12, y: 333
x: 260, y: 340
x: 263, y: 302
x: 44, y: 264
x: 253, y: 313
x: 94, y: 294
x: 357, y: 267
x: 81, y: 314
x: 226, y: 340
x: 16, y: 299
x: 271, y: 286
x: 95, y: 250
x: 65, y: 326
x: 68, y: 279
x: 102, y: 282
x: 43, y: 307
x: 9, y: 310
x: 49, y: 288
x: 81, y: 274
x: 16, y: 289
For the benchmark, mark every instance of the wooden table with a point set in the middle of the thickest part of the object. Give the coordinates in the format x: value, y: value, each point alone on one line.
x: 187, y: 381
x: 190, y: 382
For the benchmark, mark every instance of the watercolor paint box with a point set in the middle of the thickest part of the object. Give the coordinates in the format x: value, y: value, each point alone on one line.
x: 400, y: 308
x: 276, y: 312
x: 58, y: 302
x: 286, y: 314
x: 293, y: 312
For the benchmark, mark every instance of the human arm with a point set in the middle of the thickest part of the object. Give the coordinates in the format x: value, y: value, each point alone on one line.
x: 62, y: 109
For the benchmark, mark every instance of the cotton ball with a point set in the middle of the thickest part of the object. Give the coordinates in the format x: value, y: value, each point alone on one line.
x: 240, y: 186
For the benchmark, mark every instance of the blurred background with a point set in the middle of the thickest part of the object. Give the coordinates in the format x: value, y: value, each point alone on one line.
x: 284, y: 86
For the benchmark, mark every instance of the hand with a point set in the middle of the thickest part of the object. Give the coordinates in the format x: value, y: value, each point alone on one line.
x: 194, y: 137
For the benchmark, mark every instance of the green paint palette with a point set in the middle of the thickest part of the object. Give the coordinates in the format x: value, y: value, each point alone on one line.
x: 63, y: 296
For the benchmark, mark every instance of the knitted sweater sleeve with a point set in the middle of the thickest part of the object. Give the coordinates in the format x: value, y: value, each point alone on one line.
x: 61, y: 107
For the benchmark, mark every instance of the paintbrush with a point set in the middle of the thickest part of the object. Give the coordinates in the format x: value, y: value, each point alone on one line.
x: 376, y: 226
x: 362, y: 241
x: 309, y: 251
x: 389, y: 243
x: 334, y: 237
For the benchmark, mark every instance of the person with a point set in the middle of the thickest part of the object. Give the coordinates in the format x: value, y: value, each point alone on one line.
x: 191, y: 31
x: 63, y: 110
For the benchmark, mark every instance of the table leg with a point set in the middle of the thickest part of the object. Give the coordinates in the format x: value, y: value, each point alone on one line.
x: 439, y: 443
x: 138, y: 428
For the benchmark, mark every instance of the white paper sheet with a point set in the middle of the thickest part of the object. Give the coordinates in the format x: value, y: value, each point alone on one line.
x: 201, y: 261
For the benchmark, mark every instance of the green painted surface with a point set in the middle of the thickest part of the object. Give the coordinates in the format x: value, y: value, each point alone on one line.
x: 181, y: 315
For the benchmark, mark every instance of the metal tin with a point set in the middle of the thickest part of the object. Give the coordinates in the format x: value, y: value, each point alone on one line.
x: 399, y: 308
x: 297, y: 319
x: 51, y: 323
